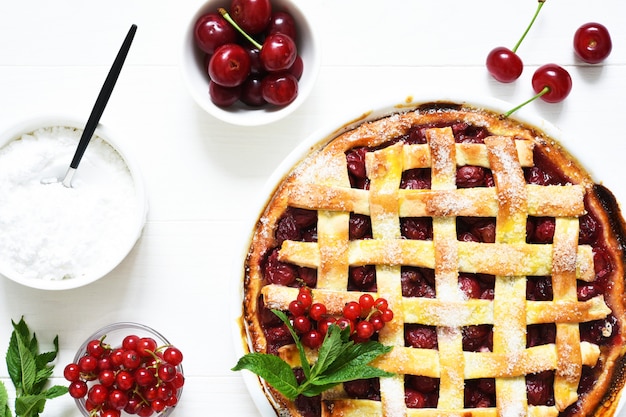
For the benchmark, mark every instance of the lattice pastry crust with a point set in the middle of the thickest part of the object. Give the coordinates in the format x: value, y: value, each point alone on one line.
x: 321, y: 182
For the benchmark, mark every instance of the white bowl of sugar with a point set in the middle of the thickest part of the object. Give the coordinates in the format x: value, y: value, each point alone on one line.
x: 53, y: 237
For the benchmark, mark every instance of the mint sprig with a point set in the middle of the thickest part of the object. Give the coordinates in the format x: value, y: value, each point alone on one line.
x: 29, y: 371
x: 339, y: 360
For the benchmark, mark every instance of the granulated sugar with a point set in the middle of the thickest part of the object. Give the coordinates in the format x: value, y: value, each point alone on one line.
x: 52, y: 232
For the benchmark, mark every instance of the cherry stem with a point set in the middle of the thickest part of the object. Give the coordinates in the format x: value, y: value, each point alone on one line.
x: 545, y: 90
x: 230, y: 20
x: 541, y: 2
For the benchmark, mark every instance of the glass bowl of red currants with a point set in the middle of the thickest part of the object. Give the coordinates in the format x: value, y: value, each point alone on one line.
x: 126, y: 369
x: 250, y: 62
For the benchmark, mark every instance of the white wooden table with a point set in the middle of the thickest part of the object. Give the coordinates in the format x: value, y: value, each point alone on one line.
x: 202, y: 174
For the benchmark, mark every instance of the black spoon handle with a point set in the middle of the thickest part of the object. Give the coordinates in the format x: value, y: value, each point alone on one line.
x: 103, y: 97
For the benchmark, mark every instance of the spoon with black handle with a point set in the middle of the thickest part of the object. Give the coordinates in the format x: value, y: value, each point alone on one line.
x: 98, y: 109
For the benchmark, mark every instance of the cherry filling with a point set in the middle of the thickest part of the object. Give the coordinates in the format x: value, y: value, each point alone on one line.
x: 301, y: 225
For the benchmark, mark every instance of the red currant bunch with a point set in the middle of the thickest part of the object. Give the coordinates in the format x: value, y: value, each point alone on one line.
x: 137, y: 378
x: 242, y: 69
x: 364, y: 318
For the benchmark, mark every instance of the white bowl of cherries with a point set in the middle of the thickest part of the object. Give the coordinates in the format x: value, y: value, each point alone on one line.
x: 249, y: 62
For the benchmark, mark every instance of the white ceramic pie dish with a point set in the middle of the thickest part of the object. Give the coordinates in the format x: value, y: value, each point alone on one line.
x: 104, y: 140
x: 318, y: 139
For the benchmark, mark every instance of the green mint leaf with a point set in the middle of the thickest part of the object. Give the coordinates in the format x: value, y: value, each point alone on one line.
x: 29, y: 405
x: 28, y: 369
x: 273, y: 370
x: 4, y: 401
x: 304, y: 362
x: 358, y: 354
x: 41, y: 377
x: 55, y: 391
x: 310, y: 390
x: 333, y: 346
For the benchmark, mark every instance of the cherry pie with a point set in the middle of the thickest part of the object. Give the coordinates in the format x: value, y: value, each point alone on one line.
x: 501, y: 259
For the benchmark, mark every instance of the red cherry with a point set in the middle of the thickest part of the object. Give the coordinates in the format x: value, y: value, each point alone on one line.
x: 279, y: 52
x: 223, y: 96
x: 230, y: 65
x: 280, y: 88
x: 283, y: 22
x: 592, y: 42
x: 252, y: 15
x: 252, y: 92
x: 297, y: 68
x: 504, y: 65
x: 556, y: 79
x: 212, y: 31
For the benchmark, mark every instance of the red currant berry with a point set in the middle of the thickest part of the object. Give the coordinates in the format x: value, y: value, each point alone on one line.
x: 377, y: 321
x: 229, y: 66
x: 151, y: 393
x: 173, y: 356
x: 98, y: 394
x: 323, y: 324
x: 72, y: 372
x: 131, y: 359
x: 172, y: 401
x: 317, y: 311
x: 504, y: 65
x: 146, y: 347
x: 178, y: 381
x: 124, y: 380
x: 305, y: 297
x: 145, y: 377
x: 387, y: 316
x: 118, y: 399
x: 279, y: 52
x: 105, y: 363
x: 78, y: 389
x: 296, y: 308
x: 95, y: 348
x: 279, y: 88
x: 592, y: 42
x: 301, y: 324
x: 133, y: 404
x: 352, y: 310
x: 345, y: 323
x: 110, y: 413
x: 252, y: 16
x: 381, y: 304
x: 166, y: 372
x: 364, y: 329
x: 158, y: 405
x: 130, y: 342
x: 556, y: 79
x: 87, y: 364
x: 107, y: 377
x: 366, y: 301
x: 164, y: 392
x: 117, y: 357
x: 145, y: 411
x: 212, y: 31
x: 313, y: 339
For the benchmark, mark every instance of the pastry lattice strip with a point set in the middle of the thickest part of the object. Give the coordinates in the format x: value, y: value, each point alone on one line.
x: 511, y: 201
